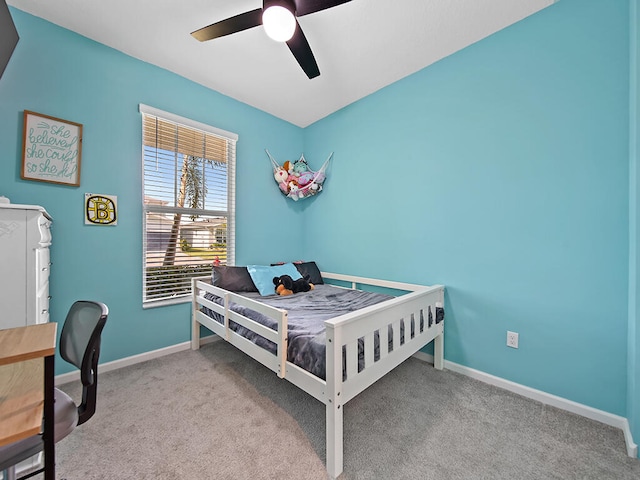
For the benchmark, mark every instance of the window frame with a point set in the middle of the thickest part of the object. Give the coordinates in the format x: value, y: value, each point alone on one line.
x: 229, y: 213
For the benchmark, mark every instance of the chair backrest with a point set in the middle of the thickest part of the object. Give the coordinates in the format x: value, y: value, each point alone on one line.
x: 80, y: 346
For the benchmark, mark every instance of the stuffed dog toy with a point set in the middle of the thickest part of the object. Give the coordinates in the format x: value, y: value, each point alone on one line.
x: 285, y: 285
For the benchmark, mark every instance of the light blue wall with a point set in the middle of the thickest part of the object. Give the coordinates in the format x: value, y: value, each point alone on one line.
x: 633, y: 376
x: 502, y: 173
x: 59, y: 73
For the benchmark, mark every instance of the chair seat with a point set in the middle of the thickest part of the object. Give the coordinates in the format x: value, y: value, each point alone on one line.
x: 66, y: 415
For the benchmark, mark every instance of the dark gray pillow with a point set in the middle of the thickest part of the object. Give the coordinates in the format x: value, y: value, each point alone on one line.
x: 311, y: 269
x: 236, y: 279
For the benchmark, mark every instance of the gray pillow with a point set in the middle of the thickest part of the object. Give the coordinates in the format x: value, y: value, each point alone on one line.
x: 311, y: 269
x: 236, y: 279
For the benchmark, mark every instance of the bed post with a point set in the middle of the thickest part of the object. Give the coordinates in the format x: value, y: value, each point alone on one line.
x: 334, y: 401
x: 438, y: 342
x: 195, y: 326
x: 438, y: 352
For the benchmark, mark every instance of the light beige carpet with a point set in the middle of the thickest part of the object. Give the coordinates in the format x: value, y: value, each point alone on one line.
x: 217, y: 414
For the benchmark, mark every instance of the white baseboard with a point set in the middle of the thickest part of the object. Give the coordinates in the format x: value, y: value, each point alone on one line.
x: 545, y: 398
x: 143, y: 357
x: 542, y: 397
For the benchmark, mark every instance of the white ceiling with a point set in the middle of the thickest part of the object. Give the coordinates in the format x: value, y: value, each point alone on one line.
x: 360, y: 46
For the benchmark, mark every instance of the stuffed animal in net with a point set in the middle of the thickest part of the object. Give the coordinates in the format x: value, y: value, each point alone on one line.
x: 296, y: 180
x: 285, y: 285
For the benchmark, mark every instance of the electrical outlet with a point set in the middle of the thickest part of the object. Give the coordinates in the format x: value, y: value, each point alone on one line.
x: 512, y: 339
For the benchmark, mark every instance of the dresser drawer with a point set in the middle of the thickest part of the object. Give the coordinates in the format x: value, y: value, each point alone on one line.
x: 42, y: 312
x: 43, y: 266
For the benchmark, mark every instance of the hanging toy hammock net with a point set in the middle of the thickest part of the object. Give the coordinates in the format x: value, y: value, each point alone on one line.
x: 296, y: 180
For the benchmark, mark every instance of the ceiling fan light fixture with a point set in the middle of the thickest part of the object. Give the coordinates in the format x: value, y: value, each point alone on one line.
x: 279, y: 22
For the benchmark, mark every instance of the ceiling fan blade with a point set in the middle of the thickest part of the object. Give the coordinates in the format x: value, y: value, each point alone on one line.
x: 300, y: 48
x: 305, y: 7
x: 231, y: 25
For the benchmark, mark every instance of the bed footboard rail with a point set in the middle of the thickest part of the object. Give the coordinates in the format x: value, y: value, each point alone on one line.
x: 202, y: 285
x: 374, y: 341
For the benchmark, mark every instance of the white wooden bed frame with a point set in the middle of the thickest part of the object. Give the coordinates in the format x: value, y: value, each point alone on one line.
x: 344, y: 330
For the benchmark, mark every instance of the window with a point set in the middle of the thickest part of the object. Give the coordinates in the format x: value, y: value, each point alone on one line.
x: 188, y: 203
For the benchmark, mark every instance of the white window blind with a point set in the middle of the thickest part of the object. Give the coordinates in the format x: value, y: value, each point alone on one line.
x: 188, y: 203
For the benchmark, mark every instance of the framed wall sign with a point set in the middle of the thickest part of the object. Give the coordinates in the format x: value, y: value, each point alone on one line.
x: 51, y: 149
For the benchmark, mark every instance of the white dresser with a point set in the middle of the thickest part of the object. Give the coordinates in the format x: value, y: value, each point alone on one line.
x: 25, y: 264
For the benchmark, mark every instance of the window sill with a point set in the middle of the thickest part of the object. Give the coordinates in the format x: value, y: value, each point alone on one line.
x: 165, y: 302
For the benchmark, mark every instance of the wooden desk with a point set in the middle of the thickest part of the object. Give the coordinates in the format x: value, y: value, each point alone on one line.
x: 26, y: 387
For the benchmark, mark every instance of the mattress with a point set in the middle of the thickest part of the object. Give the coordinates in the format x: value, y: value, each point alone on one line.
x: 307, y: 313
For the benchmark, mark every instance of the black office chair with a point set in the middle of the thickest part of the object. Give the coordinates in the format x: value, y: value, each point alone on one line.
x: 80, y: 346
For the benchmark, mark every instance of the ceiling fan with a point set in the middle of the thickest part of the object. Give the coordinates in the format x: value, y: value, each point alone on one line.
x: 279, y: 18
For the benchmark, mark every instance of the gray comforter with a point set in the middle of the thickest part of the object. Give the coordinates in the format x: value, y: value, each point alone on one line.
x: 307, y: 313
